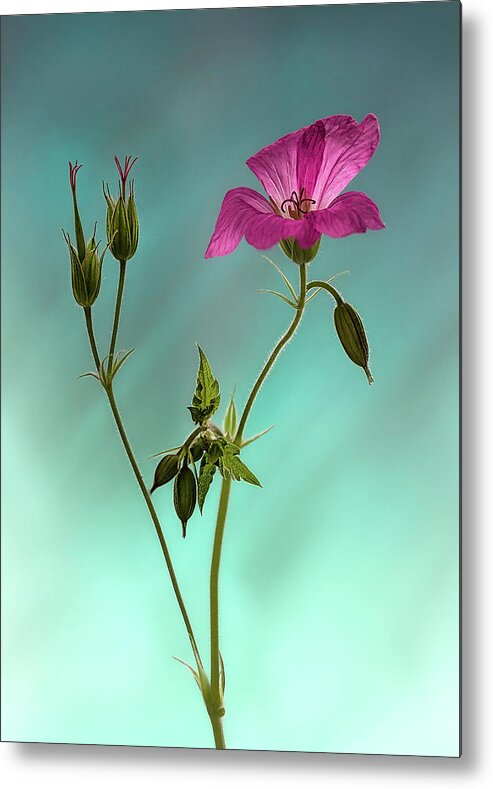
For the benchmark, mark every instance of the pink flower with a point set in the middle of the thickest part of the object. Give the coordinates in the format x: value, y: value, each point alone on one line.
x: 303, y: 175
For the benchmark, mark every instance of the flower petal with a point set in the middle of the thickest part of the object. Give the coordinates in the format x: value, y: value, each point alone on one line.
x: 349, y: 146
x: 297, y: 160
x: 275, y: 167
x: 245, y: 212
x: 310, y: 153
x: 351, y: 212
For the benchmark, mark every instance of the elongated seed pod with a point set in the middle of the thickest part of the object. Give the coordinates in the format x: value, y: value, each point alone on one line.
x: 352, y: 335
x: 166, y: 469
x: 185, y: 496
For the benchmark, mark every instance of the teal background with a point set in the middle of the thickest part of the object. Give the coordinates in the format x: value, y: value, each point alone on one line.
x: 339, y: 585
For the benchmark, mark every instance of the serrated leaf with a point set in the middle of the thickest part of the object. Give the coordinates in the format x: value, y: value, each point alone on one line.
x: 232, y: 466
x: 206, y: 399
x: 207, y: 471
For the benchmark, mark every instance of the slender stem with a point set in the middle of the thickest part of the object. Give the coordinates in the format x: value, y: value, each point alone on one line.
x: 214, y: 586
x: 154, y: 516
x: 145, y: 492
x: 118, y: 307
x: 223, y: 511
x: 92, y: 339
x: 318, y: 283
x: 274, y: 354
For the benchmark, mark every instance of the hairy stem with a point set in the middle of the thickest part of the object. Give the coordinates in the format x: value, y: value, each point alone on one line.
x: 224, y: 502
x: 274, y: 354
x: 321, y: 285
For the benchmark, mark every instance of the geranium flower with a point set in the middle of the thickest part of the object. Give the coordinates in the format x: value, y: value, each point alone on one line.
x: 303, y: 175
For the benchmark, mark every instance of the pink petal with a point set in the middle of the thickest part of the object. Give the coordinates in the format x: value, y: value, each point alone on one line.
x: 349, y: 146
x: 310, y: 153
x: 297, y: 159
x: 275, y: 167
x: 351, y: 212
x: 245, y: 212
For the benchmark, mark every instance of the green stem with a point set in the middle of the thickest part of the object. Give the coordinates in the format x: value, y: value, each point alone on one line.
x: 217, y: 728
x: 223, y: 511
x: 145, y: 492
x: 274, y: 354
x: 92, y: 339
x: 318, y: 283
x: 118, y: 307
x: 214, y: 590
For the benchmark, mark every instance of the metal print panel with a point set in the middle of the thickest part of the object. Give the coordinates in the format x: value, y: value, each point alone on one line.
x: 248, y: 337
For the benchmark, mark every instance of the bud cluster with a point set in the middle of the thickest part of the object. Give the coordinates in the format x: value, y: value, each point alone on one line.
x: 214, y: 448
x: 122, y: 229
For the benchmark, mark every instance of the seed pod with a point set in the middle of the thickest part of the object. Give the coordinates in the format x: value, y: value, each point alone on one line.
x: 185, y: 496
x: 166, y: 469
x: 352, y: 335
x: 196, y: 451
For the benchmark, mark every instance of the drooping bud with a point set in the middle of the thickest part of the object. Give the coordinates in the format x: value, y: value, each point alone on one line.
x: 297, y: 254
x: 166, y: 470
x: 185, y: 496
x: 122, y: 223
x: 196, y: 451
x: 352, y: 335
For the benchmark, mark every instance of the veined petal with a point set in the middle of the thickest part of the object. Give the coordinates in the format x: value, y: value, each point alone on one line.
x: 349, y: 146
x: 310, y: 153
x: 351, y: 212
x: 275, y: 166
x: 245, y: 212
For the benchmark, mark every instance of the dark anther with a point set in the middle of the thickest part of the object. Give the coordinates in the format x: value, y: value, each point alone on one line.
x: 297, y: 202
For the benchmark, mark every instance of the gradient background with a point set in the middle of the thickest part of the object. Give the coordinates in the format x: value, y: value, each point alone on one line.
x: 339, y: 585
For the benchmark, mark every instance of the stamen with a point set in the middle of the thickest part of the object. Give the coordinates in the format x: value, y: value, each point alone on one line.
x: 297, y: 201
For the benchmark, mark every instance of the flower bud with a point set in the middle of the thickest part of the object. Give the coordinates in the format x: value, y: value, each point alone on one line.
x: 185, y: 496
x: 196, y: 451
x: 297, y: 254
x: 166, y: 470
x: 352, y: 335
x: 85, y: 262
x: 86, y: 274
x: 122, y: 223
x: 119, y: 237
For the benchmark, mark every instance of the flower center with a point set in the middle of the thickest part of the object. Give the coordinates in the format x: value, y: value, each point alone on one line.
x: 295, y: 204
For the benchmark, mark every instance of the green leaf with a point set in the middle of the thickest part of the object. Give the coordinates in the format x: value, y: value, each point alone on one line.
x: 256, y: 437
x: 231, y: 466
x: 284, y: 298
x: 284, y: 277
x: 207, y: 471
x: 207, y: 397
x: 222, y: 674
x: 230, y: 420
